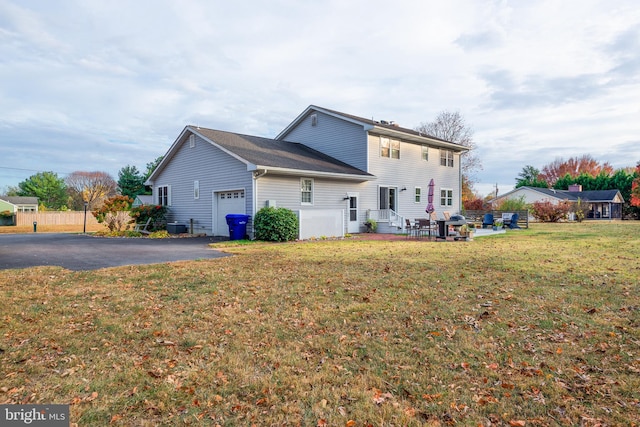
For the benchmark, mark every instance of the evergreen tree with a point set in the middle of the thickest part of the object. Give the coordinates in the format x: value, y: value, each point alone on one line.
x: 130, y: 181
x: 47, y: 187
x: 530, y: 177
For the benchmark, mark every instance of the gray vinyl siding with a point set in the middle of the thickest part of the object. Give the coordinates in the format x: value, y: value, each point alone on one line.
x: 215, y: 171
x: 327, y: 194
x: 285, y: 191
x: 337, y: 138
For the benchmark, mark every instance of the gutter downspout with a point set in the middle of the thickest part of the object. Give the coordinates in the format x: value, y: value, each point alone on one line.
x: 257, y: 174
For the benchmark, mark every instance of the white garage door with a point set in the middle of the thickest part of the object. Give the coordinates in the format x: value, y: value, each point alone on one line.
x: 228, y: 202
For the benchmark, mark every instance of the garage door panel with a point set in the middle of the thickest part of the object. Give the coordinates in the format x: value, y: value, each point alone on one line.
x: 228, y: 202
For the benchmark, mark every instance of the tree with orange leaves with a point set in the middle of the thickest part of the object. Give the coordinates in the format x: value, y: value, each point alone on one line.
x: 574, y: 167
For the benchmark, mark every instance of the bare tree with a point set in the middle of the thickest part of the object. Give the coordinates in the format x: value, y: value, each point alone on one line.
x: 452, y: 127
x: 90, y: 187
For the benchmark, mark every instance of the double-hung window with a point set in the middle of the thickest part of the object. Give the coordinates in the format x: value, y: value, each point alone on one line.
x: 446, y: 197
x: 389, y: 148
x: 425, y: 153
x: 446, y: 158
x: 306, y: 191
x: 164, y: 195
x: 418, y: 195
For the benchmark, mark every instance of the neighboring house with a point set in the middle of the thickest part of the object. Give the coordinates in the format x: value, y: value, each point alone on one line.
x: 335, y: 170
x: 21, y: 204
x: 603, y: 204
x: 142, y: 199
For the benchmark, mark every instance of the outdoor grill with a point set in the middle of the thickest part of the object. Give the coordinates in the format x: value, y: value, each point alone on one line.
x: 457, y: 220
x: 454, y: 220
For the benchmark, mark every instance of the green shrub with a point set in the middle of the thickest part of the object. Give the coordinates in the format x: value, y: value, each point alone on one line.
x: 513, y: 204
x: 373, y: 225
x: 142, y: 213
x: 275, y: 224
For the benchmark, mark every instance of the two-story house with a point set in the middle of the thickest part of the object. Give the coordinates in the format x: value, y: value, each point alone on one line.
x: 335, y: 170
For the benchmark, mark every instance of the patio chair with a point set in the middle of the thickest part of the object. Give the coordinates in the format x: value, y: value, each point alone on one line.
x: 412, y: 229
x: 513, y: 224
x: 487, y: 221
x: 425, y: 227
x: 142, y: 228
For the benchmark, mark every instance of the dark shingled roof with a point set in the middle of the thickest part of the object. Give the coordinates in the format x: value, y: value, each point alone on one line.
x: 20, y: 200
x: 591, y: 195
x: 394, y: 127
x: 278, y: 154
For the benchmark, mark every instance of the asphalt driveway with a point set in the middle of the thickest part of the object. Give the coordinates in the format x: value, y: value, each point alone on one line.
x: 86, y: 252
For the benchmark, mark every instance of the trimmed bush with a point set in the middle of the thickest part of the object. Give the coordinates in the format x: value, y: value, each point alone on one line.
x: 114, y: 213
x: 275, y: 225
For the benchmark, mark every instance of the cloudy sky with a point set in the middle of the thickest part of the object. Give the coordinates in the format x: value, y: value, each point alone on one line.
x: 97, y: 85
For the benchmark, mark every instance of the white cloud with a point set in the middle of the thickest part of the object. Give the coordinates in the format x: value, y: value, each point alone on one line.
x: 92, y: 85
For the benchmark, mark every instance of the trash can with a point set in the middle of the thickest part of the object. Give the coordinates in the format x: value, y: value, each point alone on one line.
x: 237, y: 226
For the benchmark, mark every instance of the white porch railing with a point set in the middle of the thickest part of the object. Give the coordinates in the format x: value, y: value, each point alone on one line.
x: 388, y: 216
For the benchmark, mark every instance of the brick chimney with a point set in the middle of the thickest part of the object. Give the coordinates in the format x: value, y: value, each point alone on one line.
x: 575, y: 188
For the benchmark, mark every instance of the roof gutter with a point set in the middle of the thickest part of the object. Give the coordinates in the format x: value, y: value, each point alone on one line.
x: 419, y: 139
x: 311, y: 173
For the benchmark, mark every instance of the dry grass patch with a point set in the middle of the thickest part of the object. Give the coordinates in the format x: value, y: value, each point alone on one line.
x: 537, y: 326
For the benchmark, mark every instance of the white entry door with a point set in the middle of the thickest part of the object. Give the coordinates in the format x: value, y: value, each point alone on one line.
x: 353, y: 225
x: 227, y: 202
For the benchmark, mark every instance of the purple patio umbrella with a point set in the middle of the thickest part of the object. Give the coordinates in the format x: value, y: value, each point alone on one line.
x: 430, y: 207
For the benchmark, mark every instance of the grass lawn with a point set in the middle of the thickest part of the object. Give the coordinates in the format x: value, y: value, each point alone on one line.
x: 536, y: 327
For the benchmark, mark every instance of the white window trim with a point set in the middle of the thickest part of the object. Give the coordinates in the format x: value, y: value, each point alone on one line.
x: 424, y: 153
x: 392, y: 150
x: 303, y: 191
x: 196, y: 189
x: 384, y: 141
x: 446, y: 157
x: 192, y: 141
x: 447, y: 198
x: 160, y: 196
x: 417, y: 195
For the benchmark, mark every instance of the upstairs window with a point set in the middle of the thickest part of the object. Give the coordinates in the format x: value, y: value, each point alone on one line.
x: 196, y: 189
x: 425, y: 153
x: 384, y: 147
x: 389, y: 148
x: 395, y: 149
x: 446, y: 158
x: 418, y: 195
x: 192, y: 141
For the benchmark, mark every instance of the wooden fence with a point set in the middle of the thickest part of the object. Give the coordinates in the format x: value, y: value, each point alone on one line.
x: 476, y: 216
x: 55, y: 218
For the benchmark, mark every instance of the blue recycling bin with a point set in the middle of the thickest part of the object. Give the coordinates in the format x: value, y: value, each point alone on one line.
x: 237, y: 226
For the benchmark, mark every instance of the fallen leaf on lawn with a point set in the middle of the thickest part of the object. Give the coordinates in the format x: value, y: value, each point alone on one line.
x: 350, y: 423
x: 517, y: 423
